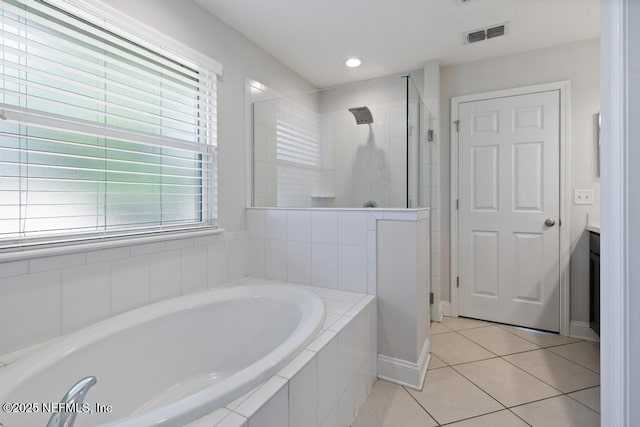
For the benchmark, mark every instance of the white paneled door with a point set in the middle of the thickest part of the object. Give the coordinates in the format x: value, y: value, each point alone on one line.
x: 509, y: 205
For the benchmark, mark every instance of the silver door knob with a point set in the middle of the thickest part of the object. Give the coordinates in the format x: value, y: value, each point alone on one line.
x: 549, y: 222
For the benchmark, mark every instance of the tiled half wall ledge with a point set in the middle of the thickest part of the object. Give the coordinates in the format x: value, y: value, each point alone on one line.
x: 382, y: 252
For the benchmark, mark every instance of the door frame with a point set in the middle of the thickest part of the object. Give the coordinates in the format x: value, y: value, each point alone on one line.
x: 564, y: 88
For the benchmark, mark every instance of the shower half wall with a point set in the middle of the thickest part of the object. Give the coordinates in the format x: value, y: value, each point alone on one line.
x: 309, y: 151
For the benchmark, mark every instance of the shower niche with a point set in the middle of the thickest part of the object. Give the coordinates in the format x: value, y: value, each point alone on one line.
x: 350, y: 146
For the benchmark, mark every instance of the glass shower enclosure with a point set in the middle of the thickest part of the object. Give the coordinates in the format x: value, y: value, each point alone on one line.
x: 350, y: 146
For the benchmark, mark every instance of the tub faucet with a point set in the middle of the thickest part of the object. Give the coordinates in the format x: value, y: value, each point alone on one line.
x: 74, y: 397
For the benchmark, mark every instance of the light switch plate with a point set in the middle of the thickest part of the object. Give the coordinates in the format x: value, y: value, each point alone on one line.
x: 582, y: 197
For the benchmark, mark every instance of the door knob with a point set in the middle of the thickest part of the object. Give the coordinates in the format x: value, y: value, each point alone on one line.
x: 549, y: 222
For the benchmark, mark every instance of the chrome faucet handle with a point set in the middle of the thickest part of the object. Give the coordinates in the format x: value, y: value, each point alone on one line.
x: 76, y: 394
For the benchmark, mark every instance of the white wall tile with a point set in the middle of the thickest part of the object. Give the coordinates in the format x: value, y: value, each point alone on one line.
x: 372, y: 278
x: 193, y: 269
x: 275, y: 221
x: 371, y: 246
x: 32, y: 302
x: 108, y: 254
x: 275, y: 266
x: 346, y: 357
x: 299, y: 226
x: 149, y: 248
x: 56, y: 262
x: 218, y: 259
x: 327, y: 379
x: 303, y: 402
x: 331, y: 420
x: 207, y: 240
x: 85, y: 296
x: 260, y: 397
x: 352, y: 228
x: 178, y: 244
x: 352, y: 268
x: 238, y: 253
x: 129, y: 284
x: 256, y: 259
x: 164, y: 275
x: 324, y: 226
x: 299, y: 262
x: 275, y: 413
x: 14, y: 268
x: 255, y: 223
x: 346, y: 407
x: 324, y: 265
x: 212, y: 419
x: 233, y: 420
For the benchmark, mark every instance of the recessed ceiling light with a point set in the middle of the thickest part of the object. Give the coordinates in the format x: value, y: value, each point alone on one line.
x: 353, y: 62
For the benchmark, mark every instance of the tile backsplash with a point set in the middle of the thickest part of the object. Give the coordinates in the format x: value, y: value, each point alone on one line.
x: 43, y: 298
x: 329, y: 248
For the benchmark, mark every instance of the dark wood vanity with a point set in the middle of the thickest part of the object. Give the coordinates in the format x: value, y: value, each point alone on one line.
x: 594, y: 281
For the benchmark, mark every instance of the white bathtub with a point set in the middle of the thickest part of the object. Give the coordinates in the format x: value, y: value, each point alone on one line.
x: 171, y: 362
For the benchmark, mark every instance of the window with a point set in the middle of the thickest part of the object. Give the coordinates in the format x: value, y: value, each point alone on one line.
x: 101, y: 133
x: 297, y: 153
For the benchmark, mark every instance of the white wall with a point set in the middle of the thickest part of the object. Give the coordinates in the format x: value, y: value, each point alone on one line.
x: 46, y: 297
x: 188, y: 23
x: 43, y: 298
x: 577, y: 62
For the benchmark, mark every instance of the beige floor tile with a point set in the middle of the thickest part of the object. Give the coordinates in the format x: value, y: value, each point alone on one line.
x: 585, y: 353
x: 497, y: 419
x: 543, y: 339
x: 589, y: 397
x: 509, y: 385
x: 498, y: 340
x: 453, y: 349
x: 449, y: 397
x: 556, y: 371
x: 439, y: 328
x: 389, y: 405
x: 460, y: 323
x: 558, y: 411
x: 436, y: 362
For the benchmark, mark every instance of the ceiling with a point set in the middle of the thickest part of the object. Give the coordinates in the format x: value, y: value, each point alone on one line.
x: 314, y: 37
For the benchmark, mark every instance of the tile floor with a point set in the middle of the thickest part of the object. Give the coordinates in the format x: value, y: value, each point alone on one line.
x: 489, y: 375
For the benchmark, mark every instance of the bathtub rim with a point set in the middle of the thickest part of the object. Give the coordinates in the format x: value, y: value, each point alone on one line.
x: 195, y: 405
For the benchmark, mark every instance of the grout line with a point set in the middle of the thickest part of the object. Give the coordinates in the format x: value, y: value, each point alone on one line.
x: 539, y: 379
x: 579, y: 364
x: 519, y: 417
x: 420, y: 404
x: 476, y: 416
x: 571, y: 397
x: 480, y: 388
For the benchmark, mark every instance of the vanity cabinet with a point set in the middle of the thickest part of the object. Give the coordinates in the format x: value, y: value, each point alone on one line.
x: 594, y: 281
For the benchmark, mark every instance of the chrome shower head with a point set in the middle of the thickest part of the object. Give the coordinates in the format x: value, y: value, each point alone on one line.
x: 362, y: 114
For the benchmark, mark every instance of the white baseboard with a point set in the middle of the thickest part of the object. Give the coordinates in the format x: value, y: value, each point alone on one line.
x: 445, y: 309
x: 405, y: 373
x: 583, y: 331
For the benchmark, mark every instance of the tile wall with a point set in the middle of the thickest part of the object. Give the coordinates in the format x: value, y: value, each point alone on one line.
x: 319, y: 247
x: 326, y: 384
x: 52, y: 296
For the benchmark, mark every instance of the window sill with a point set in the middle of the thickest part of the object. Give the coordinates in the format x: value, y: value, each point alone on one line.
x: 52, y: 249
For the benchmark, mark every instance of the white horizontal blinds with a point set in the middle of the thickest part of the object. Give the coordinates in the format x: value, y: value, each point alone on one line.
x: 298, y: 135
x: 98, y: 134
x: 297, y: 154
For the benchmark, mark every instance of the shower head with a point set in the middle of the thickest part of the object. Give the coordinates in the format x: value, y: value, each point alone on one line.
x: 362, y: 114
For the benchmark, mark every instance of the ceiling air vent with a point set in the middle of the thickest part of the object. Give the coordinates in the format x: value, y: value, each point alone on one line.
x: 485, y: 33
x: 476, y: 36
x: 495, y: 31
